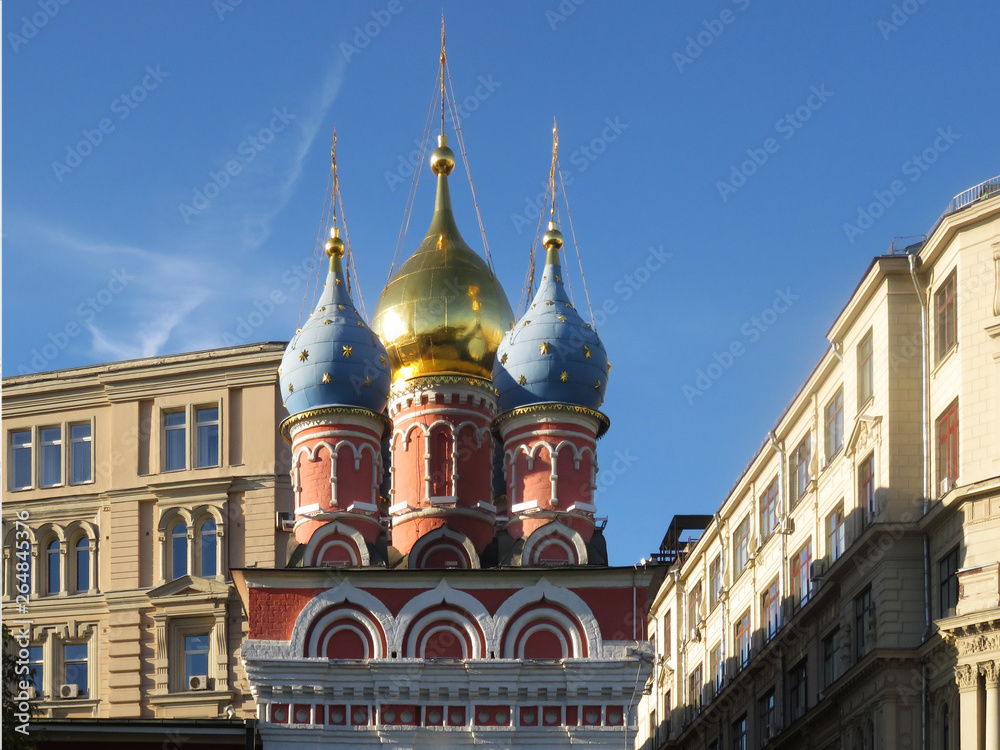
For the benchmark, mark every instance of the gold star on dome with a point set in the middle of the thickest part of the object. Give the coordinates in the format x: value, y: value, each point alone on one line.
x: 338, y: 284
x: 342, y: 307
x: 597, y: 385
x: 304, y: 355
x: 545, y: 278
x: 298, y: 330
x: 558, y: 278
x: 609, y: 365
x: 382, y: 359
x: 361, y: 323
x: 327, y: 322
x: 512, y: 325
x: 564, y: 376
x: 532, y: 307
x: 521, y: 380
x: 568, y: 304
x: 561, y: 318
x: 322, y: 309
x: 588, y: 326
x: 349, y: 350
x: 503, y: 359
x: 326, y: 377
x: 543, y: 347
x: 549, y: 302
x: 279, y: 372
x: 586, y: 351
x: 290, y: 388
x: 526, y: 322
x: 368, y: 381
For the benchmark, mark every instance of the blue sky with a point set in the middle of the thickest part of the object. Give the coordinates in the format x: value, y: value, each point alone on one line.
x: 717, y: 155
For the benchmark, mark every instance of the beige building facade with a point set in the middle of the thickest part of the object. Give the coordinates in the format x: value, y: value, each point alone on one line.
x: 130, y: 491
x: 846, y: 594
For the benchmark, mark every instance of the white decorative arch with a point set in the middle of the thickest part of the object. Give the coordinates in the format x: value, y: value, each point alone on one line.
x: 322, y: 610
x: 566, y: 629
x: 429, y: 623
x: 532, y: 452
x: 318, y: 541
x: 357, y: 452
x: 76, y: 531
x: 570, y: 602
x: 570, y: 537
x: 441, y: 535
x: 578, y: 453
x: 445, y: 594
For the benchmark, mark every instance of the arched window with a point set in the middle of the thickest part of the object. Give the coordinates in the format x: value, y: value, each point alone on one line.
x: 52, y: 569
x: 178, y: 550
x: 209, y: 544
x: 82, y: 552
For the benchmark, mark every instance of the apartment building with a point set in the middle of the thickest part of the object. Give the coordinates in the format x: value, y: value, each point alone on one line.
x: 846, y: 593
x: 130, y: 491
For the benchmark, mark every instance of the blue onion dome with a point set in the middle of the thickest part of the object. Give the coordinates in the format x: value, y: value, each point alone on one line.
x: 551, y: 355
x: 335, y: 359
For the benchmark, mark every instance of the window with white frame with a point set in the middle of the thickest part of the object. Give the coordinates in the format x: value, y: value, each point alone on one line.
x: 206, y: 436
x: 833, y: 421
x: 800, y: 575
x: 50, y: 447
x: 741, y: 540
x: 75, y: 669
x: 946, y: 318
x: 208, y: 548
x: 835, y: 533
x: 82, y: 557
x: 36, y: 668
x: 191, y: 654
x: 866, y: 370
x: 53, y: 567
x: 191, y: 543
x: 174, y: 440
x: 769, y: 509
x: 798, y: 465
x: 178, y: 542
x: 20, y: 460
x: 80, y: 453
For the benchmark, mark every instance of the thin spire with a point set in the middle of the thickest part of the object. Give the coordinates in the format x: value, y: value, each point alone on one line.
x: 442, y: 71
x: 333, y: 166
x: 552, y: 169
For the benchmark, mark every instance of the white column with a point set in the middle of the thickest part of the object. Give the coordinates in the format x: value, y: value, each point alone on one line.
x: 967, y: 677
x: 991, y: 671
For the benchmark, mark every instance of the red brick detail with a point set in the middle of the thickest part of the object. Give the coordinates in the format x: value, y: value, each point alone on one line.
x: 552, y: 716
x: 301, y: 713
x: 399, y: 715
x: 491, y: 716
x: 360, y: 715
x: 273, y: 611
x: 338, y: 715
x: 572, y: 716
x: 434, y: 715
x: 456, y: 716
x: 528, y: 716
x: 279, y: 713
x: 591, y: 716
x: 614, y: 716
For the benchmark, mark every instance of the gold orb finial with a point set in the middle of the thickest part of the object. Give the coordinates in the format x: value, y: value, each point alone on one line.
x: 552, y: 239
x: 442, y: 158
x: 335, y: 245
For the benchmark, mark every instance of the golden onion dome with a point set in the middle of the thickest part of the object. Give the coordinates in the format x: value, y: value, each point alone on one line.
x: 443, y: 311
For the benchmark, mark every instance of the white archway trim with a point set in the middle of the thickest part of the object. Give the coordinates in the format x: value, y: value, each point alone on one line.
x: 344, y: 618
x: 518, y: 640
x: 435, y: 538
x: 430, y: 623
x: 353, y: 625
x: 540, y: 537
x: 444, y: 594
x: 570, y: 602
x: 317, y: 608
x: 329, y: 532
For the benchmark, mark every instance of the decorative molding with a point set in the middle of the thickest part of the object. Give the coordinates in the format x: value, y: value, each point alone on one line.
x: 603, y: 423
x: 327, y: 414
x: 981, y: 643
x: 967, y: 677
x: 996, y: 278
x: 991, y: 671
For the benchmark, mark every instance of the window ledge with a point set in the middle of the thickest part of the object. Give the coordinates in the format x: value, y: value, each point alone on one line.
x: 944, y: 359
x: 181, y: 697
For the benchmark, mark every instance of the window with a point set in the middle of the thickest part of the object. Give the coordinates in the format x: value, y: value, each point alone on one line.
x: 716, y: 668
x: 948, y: 573
x: 174, y: 441
x: 52, y: 578
x: 741, y: 537
x: 209, y: 543
x: 50, y: 440
x: 835, y: 533
x: 864, y: 623
x: 801, y: 563
x: 20, y: 459
x: 742, y: 639
x: 667, y: 636
x: 831, y: 645
x: 945, y: 728
x: 75, y: 667
x: 82, y: 561
x: 947, y: 440
x: 80, y: 463
x: 797, y: 697
x: 833, y: 420
x: 740, y: 733
x: 178, y: 550
x: 207, y: 436
x: 768, y: 719
x: 769, y: 610
x: 946, y: 320
x: 195, y: 657
x: 694, y: 608
x: 667, y: 715
x: 35, y: 667
x: 865, y: 370
x: 866, y: 487
x: 799, y: 470
x: 694, y: 690
x: 769, y: 510
x: 714, y: 581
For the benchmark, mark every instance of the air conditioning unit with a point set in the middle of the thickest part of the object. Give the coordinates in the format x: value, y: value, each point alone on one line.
x: 787, y: 525
x: 284, y: 520
x: 695, y: 634
x: 947, y: 485
x: 198, y: 682
x: 817, y: 569
x: 67, y: 692
x: 31, y: 692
